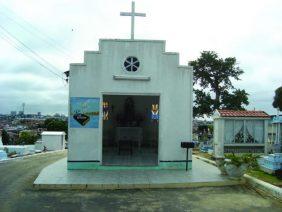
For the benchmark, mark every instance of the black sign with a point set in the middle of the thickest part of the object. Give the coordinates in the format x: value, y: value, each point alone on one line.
x: 186, y: 144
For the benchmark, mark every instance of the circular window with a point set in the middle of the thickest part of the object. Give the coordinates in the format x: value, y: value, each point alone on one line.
x: 131, y: 64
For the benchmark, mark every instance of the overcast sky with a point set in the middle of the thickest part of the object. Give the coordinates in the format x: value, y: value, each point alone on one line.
x: 59, y: 32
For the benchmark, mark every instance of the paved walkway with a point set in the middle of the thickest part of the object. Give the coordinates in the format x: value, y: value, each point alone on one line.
x: 17, y: 194
x: 56, y: 176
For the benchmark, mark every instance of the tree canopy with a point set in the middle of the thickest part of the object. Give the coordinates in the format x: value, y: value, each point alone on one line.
x: 53, y: 124
x: 214, y: 75
x: 277, y: 101
x: 27, y: 137
x: 5, y: 137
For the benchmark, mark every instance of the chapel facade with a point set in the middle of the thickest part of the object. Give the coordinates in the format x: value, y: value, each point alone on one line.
x: 130, y: 104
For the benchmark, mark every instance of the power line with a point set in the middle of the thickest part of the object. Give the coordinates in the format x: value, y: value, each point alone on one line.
x: 30, y: 56
x: 49, y: 40
x: 27, y: 47
x: 8, y: 40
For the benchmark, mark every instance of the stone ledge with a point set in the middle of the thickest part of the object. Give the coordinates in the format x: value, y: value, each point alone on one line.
x: 136, y: 186
x: 134, y: 78
x: 268, y: 188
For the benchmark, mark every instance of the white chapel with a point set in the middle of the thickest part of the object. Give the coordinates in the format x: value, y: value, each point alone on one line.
x: 130, y: 105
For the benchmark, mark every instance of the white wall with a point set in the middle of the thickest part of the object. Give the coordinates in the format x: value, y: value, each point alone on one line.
x: 20, y: 149
x: 218, y: 136
x: 53, y: 142
x: 173, y: 83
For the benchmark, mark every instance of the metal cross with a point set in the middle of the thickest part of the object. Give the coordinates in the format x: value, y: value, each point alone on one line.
x: 132, y: 14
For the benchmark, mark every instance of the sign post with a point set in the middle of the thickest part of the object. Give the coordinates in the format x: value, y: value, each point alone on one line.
x: 187, y: 145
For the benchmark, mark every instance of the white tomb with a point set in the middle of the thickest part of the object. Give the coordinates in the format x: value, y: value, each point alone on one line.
x: 3, y: 155
x: 270, y: 163
x: 240, y: 132
x: 129, y: 84
x: 52, y: 140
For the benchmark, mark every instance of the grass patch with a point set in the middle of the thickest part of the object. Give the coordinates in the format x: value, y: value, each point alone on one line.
x: 269, y: 178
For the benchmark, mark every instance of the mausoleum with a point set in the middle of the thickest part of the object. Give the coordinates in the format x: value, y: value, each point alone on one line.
x: 130, y: 104
x: 240, y: 131
x: 52, y: 140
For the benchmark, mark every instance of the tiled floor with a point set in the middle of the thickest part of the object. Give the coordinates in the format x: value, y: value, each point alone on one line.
x: 202, y: 174
x: 140, y: 157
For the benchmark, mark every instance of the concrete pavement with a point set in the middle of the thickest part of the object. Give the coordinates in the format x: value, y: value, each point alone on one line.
x: 56, y: 176
x: 17, y: 194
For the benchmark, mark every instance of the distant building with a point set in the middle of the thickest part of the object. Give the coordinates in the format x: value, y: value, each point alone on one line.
x: 13, y: 113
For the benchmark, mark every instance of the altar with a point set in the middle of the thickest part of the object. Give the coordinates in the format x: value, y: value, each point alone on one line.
x: 134, y: 134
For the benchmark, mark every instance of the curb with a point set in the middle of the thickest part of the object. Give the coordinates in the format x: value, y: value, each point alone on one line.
x: 134, y: 186
x: 268, y: 188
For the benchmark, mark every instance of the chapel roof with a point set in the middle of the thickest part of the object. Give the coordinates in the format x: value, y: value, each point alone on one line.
x: 243, y: 113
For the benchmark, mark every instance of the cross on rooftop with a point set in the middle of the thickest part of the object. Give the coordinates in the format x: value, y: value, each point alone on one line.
x: 132, y: 14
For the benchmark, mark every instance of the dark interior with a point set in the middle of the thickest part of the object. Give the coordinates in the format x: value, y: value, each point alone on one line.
x: 130, y: 130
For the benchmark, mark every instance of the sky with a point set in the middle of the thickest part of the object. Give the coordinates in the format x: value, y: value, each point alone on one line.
x: 38, y: 40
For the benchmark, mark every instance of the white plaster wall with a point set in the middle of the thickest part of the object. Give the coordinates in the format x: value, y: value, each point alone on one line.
x: 218, y: 137
x: 173, y: 83
x: 266, y: 122
x: 53, y: 142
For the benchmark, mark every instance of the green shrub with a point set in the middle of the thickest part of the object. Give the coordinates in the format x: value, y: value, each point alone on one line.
x: 238, y: 160
x: 26, y: 138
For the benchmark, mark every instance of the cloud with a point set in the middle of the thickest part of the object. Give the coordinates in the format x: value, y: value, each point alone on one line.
x: 60, y: 31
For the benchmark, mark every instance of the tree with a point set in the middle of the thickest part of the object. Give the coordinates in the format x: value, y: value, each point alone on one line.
x: 5, y: 137
x: 235, y: 100
x: 214, y: 75
x: 203, y: 103
x: 277, y: 101
x: 53, y: 124
x: 27, y: 137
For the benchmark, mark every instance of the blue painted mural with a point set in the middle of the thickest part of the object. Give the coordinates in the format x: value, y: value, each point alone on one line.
x: 84, y: 112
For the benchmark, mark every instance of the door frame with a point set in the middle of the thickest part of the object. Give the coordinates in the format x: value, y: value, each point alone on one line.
x: 101, y: 117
